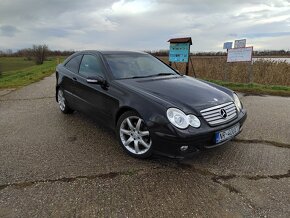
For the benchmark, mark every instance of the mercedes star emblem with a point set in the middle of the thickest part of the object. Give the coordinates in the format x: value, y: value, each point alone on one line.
x: 223, y: 113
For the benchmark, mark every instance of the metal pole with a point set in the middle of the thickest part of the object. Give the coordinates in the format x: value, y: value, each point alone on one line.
x: 250, y: 72
x: 225, y: 71
x: 192, y: 67
x: 175, y: 66
x: 187, y: 64
x: 226, y: 68
x: 186, y: 71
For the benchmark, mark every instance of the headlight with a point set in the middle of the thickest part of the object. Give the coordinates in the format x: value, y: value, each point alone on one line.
x: 181, y: 120
x: 193, y: 121
x: 177, y: 118
x: 237, y: 102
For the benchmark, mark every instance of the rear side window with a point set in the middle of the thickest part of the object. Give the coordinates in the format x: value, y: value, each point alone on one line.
x: 74, y: 63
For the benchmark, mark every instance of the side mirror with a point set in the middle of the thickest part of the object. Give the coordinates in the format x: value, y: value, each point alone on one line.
x: 96, y: 80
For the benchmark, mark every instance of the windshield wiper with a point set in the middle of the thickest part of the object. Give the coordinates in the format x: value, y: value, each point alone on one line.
x: 136, y: 77
x: 159, y: 74
x: 163, y: 74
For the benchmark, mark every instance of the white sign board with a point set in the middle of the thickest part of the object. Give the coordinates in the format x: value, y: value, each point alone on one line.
x: 228, y: 45
x: 240, y: 54
x: 240, y: 43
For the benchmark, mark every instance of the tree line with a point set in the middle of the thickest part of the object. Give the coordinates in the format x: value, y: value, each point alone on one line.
x: 220, y: 53
x: 37, y: 53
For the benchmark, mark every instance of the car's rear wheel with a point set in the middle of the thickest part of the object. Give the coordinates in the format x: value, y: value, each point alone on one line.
x: 133, y: 135
x: 62, y: 102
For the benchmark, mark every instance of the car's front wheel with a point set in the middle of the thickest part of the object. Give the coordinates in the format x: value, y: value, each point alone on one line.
x: 133, y: 135
x: 62, y: 102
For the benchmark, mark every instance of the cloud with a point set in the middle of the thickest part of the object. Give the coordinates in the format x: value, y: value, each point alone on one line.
x: 264, y: 35
x: 143, y: 24
x: 8, y: 31
x: 129, y: 7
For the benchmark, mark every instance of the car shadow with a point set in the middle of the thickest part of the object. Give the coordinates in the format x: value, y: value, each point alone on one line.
x: 157, y: 159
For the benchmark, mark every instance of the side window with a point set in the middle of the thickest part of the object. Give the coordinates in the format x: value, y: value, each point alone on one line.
x: 91, y: 66
x: 74, y: 63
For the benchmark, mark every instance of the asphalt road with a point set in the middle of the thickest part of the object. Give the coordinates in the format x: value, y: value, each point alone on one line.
x: 59, y: 165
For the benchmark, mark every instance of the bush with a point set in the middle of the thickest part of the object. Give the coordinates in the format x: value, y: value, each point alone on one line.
x: 39, y: 52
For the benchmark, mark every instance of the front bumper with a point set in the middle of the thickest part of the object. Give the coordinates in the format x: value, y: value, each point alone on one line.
x: 168, y: 140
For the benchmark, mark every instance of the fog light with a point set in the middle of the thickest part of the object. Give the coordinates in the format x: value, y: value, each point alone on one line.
x: 183, y: 148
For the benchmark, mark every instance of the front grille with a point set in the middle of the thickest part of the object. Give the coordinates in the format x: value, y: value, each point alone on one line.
x: 213, y: 115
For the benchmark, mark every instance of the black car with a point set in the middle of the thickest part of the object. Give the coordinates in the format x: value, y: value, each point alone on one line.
x: 152, y: 107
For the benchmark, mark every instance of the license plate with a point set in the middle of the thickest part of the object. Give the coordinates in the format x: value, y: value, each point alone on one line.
x: 226, y: 134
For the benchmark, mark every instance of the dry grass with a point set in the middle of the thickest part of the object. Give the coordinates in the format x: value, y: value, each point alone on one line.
x: 215, y: 68
x: 21, y: 75
x: 14, y: 63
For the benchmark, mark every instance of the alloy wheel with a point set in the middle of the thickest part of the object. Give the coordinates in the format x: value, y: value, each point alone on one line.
x: 61, y: 100
x: 134, y: 135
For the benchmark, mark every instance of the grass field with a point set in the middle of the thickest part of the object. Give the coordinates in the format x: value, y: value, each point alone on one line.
x: 14, y: 63
x: 28, y: 73
x: 254, y: 88
x: 215, y: 68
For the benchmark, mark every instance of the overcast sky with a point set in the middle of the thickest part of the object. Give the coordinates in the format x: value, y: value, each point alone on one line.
x: 143, y: 24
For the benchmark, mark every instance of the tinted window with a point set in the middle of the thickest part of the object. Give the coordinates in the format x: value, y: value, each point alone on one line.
x: 74, y: 63
x: 91, y: 66
x: 136, y: 65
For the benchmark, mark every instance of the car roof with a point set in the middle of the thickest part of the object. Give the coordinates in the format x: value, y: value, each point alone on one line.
x: 97, y: 52
x: 111, y: 52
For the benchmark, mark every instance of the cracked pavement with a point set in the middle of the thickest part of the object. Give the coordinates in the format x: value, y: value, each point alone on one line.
x: 59, y: 165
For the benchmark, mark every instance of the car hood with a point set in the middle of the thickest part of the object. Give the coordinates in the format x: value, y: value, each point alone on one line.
x: 186, y: 93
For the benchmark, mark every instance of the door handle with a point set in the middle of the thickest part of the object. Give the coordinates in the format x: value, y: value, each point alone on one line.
x: 75, y: 79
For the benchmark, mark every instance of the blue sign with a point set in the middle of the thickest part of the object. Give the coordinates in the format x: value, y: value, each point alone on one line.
x: 228, y: 45
x: 179, y: 52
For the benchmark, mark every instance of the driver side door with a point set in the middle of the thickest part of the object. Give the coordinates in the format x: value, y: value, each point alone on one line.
x: 94, y: 96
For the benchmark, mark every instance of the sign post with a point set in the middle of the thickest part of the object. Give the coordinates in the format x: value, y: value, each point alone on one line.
x: 227, y: 46
x: 180, y: 51
x: 240, y: 53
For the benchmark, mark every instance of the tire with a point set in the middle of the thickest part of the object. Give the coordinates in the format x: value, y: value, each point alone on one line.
x: 133, y: 135
x: 63, y: 103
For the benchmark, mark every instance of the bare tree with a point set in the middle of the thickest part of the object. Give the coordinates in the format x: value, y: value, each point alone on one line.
x: 39, y: 52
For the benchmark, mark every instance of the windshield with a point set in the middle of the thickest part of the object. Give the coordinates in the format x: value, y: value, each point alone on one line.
x: 126, y: 66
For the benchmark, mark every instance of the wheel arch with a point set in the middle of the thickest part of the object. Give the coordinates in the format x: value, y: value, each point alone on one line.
x: 57, y: 85
x: 123, y: 110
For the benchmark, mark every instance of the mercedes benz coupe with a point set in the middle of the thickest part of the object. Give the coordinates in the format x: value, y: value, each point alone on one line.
x: 152, y: 107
